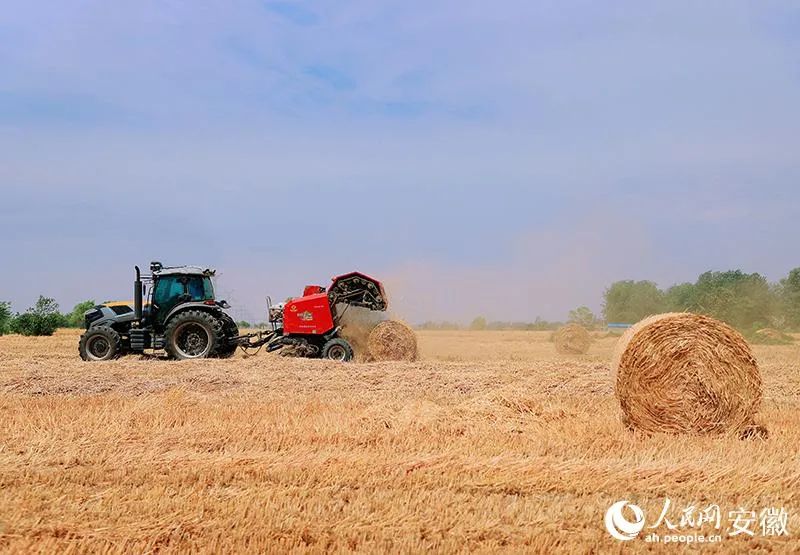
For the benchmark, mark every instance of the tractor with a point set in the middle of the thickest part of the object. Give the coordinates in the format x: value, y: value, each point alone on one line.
x: 182, y: 317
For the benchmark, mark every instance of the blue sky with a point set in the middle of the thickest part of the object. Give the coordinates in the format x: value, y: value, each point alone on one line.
x: 508, y: 160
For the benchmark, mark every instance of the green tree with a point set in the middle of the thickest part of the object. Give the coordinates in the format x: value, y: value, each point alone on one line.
x: 43, y: 319
x: 583, y: 316
x: 745, y: 301
x: 479, y: 323
x: 630, y: 301
x: 75, y: 318
x: 5, y: 316
x: 244, y: 324
x: 789, y: 296
x: 679, y: 298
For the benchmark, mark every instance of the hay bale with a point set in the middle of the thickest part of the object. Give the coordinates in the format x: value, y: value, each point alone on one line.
x: 771, y: 333
x: 686, y: 373
x: 770, y: 336
x: 572, y: 339
x: 392, y: 340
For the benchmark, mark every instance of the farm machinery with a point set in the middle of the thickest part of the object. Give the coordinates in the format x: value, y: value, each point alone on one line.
x: 182, y: 317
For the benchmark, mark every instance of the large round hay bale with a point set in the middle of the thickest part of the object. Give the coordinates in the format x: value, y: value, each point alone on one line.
x: 572, y: 339
x: 770, y: 336
x: 686, y: 373
x: 392, y: 340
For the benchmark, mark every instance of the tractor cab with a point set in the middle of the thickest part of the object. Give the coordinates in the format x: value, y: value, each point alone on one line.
x: 174, y: 287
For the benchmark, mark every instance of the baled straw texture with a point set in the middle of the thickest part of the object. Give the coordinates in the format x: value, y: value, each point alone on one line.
x: 392, y: 340
x: 572, y: 339
x: 686, y: 373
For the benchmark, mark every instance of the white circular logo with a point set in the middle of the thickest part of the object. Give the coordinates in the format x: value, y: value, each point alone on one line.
x: 620, y: 527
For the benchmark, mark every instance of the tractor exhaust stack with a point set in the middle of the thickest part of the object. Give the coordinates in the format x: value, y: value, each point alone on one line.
x: 137, y: 296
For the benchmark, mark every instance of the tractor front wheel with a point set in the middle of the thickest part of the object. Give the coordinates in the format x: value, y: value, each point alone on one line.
x: 99, y: 343
x: 337, y: 349
x: 193, y: 334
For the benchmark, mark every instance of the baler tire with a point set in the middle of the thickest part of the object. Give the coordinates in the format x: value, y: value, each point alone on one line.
x: 337, y: 349
x: 104, y: 338
x: 193, y: 322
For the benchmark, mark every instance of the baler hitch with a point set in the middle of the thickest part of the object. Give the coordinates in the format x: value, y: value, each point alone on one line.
x: 272, y: 339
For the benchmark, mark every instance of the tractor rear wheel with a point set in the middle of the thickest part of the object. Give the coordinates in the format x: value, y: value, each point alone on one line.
x: 99, y: 343
x: 193, y: 334
x: 337, y: 349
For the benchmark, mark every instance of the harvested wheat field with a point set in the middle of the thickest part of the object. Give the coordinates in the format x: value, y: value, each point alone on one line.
x: 490, y: 441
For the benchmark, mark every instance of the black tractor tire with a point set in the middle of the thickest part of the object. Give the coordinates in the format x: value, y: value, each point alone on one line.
x: 100, y: 343
x: 229, y: 331
x: 193, y: 334
x: 337, y: 349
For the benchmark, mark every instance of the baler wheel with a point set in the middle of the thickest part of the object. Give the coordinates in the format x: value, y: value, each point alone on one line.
x: 337, y: 349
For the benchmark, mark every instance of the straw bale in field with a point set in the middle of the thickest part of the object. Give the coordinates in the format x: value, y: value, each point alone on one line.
x: 392, y: 340
x: 686, y: 373
x: 572, y: 339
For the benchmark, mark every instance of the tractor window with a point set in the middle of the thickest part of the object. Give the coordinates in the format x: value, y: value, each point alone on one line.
x: 167, y: 291
x: 200, y: 288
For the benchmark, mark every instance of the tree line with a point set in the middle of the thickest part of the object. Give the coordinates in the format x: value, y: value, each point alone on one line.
x: 43, y: 318
x: 748, y: 302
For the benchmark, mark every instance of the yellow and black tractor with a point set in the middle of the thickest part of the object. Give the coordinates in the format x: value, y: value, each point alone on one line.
x: 181, y: 316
